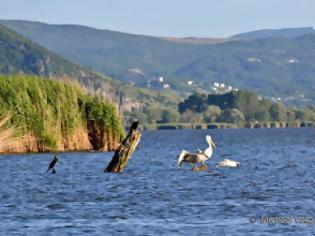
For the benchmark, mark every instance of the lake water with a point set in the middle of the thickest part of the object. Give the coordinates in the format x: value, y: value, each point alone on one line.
x: 155, y: 197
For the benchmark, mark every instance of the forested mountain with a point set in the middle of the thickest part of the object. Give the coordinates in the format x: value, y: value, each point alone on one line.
x: 19, y: 55
x: 279, y: 63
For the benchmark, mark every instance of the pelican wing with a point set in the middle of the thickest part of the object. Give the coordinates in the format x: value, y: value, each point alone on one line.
x: 181, y: 157
x: 189, y: 157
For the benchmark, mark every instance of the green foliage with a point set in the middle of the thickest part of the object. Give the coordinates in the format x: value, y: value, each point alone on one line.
x: 170, y: 116
x: 247, y: 103
x: 103, y: 113
x: 212, y: 113
x: 239, y: 107
x: 191, y: 117
x: 52, y: 109
x: 305, y: 115
x: 231, y: 116
x: 195, y: 103
x: 153, y: 113
x: 278, y: 112
x: 50, y: 141
x: 262, y: 111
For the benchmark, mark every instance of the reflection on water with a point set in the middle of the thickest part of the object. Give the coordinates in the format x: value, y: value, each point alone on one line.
x: 154, y: 196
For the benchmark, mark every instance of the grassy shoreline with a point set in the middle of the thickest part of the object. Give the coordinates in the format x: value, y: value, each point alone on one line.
x: 55, y: 115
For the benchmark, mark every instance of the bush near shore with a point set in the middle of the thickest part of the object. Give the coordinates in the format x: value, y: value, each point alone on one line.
x: 55, y: 115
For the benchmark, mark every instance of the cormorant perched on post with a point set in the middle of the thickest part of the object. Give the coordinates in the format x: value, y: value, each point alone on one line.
x: 132, y: 128
x: 134, y: 125
x: 52, y: 165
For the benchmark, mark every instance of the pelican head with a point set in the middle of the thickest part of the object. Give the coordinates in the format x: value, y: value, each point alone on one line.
x: 210, y: 141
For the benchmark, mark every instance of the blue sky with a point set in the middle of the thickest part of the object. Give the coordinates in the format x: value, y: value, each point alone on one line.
x: 200, y: 18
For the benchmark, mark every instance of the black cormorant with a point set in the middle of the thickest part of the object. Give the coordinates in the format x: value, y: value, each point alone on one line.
x: 134, y: 125
x: 52, y: 165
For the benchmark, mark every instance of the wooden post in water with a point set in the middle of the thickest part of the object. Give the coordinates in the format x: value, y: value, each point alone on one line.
x: 124, y: 151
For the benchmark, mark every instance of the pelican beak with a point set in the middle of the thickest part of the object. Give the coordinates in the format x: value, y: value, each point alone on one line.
x: 213, y: 144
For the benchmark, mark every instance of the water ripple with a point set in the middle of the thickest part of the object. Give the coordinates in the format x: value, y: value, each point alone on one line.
x: 155, y: 197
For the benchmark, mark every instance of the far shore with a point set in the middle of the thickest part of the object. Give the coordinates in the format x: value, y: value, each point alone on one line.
x: 182, y: 126
x: 249, y: 125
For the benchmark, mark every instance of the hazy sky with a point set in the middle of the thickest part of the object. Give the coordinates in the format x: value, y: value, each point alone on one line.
x: 203, y: 18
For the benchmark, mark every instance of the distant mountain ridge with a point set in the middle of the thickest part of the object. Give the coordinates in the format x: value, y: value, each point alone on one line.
x: 272, y: 33
x: 19, y: 55
x: 271, y: 62
x: 289, y: 33
x: 196, y: 40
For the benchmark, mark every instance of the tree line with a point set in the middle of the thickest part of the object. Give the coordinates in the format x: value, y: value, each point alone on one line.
x: 238, y: 107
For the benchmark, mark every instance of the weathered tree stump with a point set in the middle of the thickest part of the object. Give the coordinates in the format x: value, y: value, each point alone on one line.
x: 123, y: 152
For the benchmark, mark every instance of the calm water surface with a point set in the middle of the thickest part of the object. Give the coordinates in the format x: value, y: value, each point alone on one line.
x: 154, y: 197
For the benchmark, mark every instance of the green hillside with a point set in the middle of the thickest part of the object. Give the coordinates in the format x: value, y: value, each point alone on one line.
x: 273, y: 66
x: 109, y: 52
x: 19, y: 55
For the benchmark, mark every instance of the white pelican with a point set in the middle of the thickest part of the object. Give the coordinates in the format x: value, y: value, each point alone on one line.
x: 228, y: 163
x: 200, y: 156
